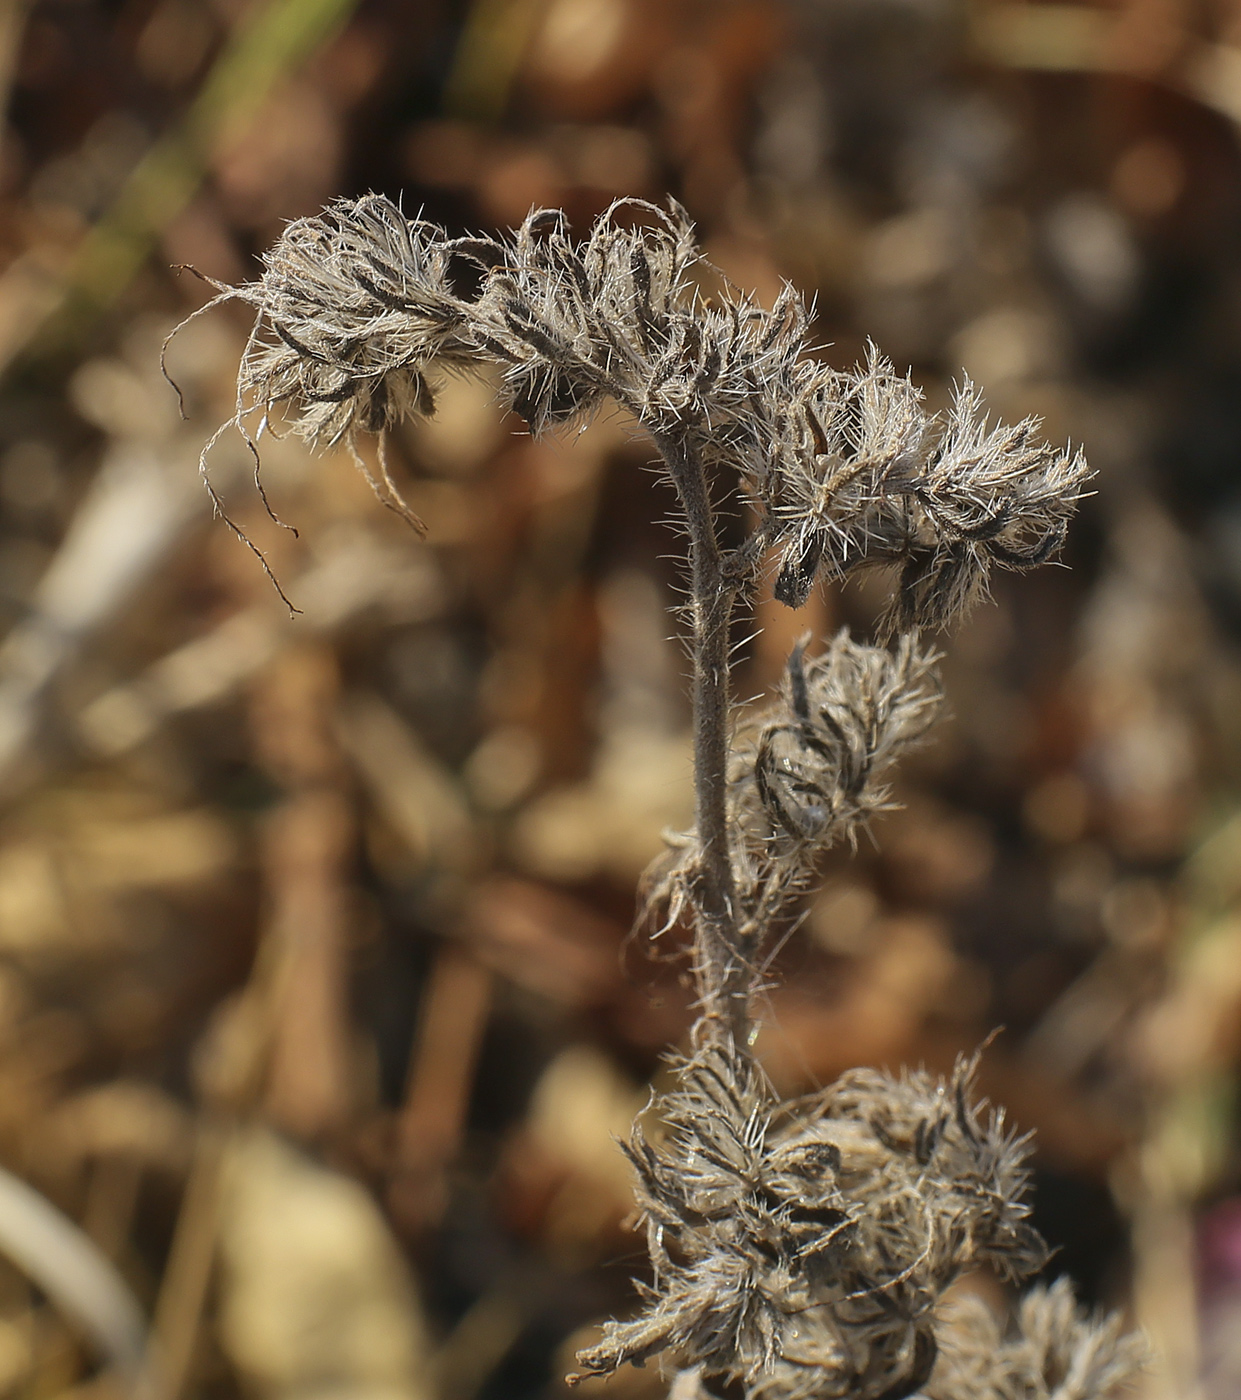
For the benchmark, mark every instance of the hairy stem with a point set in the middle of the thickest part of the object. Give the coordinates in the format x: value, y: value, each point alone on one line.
x: 722, y: 963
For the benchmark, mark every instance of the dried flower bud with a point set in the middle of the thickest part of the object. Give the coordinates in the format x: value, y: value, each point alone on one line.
x: 812, y: 769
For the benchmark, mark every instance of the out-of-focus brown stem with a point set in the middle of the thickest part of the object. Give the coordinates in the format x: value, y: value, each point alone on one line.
x: 306, y: 845
x: 289, y: 1046
x: 183, y: 1290
x: 451, y: 1022
x: 306, y: 851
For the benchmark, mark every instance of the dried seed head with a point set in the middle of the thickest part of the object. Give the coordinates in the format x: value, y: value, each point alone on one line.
x: 800, y: 1249
x: 974, y: 1165
x: 810, y: 771
x: 866, y: 476
x: 352, y: 306
x: 1053, y: 1351
x: 847, y: 469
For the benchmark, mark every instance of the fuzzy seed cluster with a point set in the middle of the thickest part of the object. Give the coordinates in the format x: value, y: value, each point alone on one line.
x: 813, y: 769
x: 356, y: 304
x: 808, y: 772
x: 1051, y: 1351
x: 800, y: 1249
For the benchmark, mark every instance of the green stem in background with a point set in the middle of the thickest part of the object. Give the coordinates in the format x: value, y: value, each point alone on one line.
x: 493, y: 42
x: 268, y: 45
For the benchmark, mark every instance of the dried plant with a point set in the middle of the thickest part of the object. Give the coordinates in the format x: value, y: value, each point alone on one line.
x: 798, y: 1249
x: 808, y: 772
x: 1053, y: 1351
x: 802, y: 1247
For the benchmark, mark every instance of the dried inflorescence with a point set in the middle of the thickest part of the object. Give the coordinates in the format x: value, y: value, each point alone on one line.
x: 1052, y: 1351
x: 801, y: 1248
x: 809, y: 772
x: 355, y: 305
x: 812, y: 770
x: 351, y: 308
x: 866, y: 475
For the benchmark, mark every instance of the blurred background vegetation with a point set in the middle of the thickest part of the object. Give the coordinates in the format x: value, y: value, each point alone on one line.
x: 318, y: 1006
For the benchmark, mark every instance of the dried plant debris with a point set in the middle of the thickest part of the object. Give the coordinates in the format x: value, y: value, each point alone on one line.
x: 800, y: 1249
x: 356, y: 304
x: 1053, y: 1351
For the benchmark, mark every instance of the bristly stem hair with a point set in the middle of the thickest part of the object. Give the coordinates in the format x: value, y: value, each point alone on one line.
x: 798, y: 1250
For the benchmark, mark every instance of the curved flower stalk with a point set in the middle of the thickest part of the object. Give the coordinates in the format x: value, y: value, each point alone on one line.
x: 799, y: 1250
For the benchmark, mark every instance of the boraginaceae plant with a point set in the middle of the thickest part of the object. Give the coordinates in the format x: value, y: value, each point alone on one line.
x: 798, y: 1249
